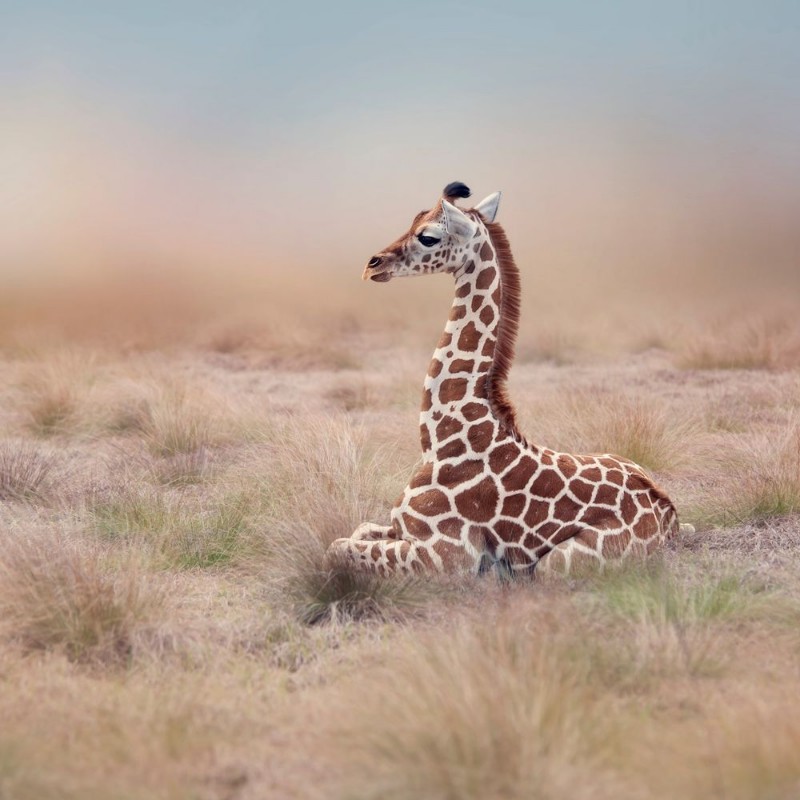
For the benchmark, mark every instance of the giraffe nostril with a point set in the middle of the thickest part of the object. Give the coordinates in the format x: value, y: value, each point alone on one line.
x: 375, y: 261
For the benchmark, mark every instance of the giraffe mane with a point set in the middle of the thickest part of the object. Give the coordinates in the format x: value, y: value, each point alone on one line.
x: 508, y: 327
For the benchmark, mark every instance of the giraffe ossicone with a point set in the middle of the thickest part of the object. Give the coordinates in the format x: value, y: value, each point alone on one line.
x: 483, y: 495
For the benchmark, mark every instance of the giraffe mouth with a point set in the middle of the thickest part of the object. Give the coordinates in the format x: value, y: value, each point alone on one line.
x: 380, y: 274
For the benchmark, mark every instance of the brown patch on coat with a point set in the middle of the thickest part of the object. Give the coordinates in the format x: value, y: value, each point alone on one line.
x: 416, y: 527
x: 614, y: 476
x: 462, y: 365
x: 430, y: 503
x: 566, y: 509
x: 451, y: 450
x: 479, y: 502
x: 473, y: 411
x: 566, y: 465
x: 447, y: 427
x: 469, y: 339
x: 451, y: 526
x: 607, y: 494
x: 509, y: 531
x: 548, y: 483
x: 628, y: 508
x: 422, y: 477
x: 501, y: 457
x: 480, y: 435
x: 454, y: 474
x: 424, y: 437
x: 646, y: 527
x: 592, y: 474
x: 452, y: 390
x: 486, y: 278
x: 583, y: 491
x: 514, y: 505
x: 519, y: 475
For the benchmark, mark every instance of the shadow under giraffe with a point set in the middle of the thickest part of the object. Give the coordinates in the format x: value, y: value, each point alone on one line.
x: 483, y: 496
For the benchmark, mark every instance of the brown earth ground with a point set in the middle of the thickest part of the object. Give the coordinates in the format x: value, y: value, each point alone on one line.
x: 167, y: 491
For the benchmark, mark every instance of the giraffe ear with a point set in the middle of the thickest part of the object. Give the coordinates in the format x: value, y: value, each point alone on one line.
x: 457, y: 222
x: 488, y: 206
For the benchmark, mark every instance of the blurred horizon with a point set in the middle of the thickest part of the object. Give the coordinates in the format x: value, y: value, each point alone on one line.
x: 642, y: 146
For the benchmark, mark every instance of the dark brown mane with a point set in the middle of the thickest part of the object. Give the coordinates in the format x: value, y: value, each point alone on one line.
x: 510, y: 293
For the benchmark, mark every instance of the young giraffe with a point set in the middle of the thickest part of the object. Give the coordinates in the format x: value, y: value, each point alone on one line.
x: 483, y: 495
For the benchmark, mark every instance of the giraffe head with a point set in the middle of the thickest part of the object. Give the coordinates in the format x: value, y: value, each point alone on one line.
x: 437, y: 240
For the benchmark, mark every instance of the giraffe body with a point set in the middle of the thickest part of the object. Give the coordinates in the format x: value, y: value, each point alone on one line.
x: 483, y: 496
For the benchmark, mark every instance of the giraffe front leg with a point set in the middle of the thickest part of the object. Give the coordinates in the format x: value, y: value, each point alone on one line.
x: 384, y: 556
x: 370, y: 532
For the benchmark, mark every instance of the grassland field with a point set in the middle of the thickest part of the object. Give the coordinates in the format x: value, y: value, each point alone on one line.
x: 167, y: 630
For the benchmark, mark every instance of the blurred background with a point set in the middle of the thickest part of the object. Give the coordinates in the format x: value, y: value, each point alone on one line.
x: 260, y: 152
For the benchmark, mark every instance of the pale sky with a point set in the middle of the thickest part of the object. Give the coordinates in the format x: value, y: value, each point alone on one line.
x: 310, y: 133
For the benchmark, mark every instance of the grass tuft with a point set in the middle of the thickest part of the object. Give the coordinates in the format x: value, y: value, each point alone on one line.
x: 24, y: 471
x: 745, y: 345
x: 341, y: 591
x: 484, y: 710
x: 762, y: 481
x: 644, y: 432
x: 179, y: 423
x: 56, y: 595
x: 181, y: 533
x: 669, y: 622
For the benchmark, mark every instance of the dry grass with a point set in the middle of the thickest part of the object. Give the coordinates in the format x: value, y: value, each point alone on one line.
x: 183, y: 532
x: 24, y: 471
x: 331, y: 480
x: 181, y: 420
x: 54, y: 390
x: 645, y: 431
x: 669, y: 622
x: 761, y: 480
x: 744, y: 344
x: 491, y: 708
x: 57, y: 594
x: 339, y: 591
x: 168, y: 630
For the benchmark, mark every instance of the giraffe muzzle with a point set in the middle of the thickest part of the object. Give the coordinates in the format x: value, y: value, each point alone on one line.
x: 377, y: 270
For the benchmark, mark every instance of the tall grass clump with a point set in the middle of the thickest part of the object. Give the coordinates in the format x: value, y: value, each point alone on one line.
x: 645, y: 432
x: 760, y: 480
x: 321, y: 487
x: 339, y: 591
x: 181, y: 421
x: 57, y: 595
x: 750, y: 344
x: 24, y: 471
x: 485, y: 709
x: 53, y: 394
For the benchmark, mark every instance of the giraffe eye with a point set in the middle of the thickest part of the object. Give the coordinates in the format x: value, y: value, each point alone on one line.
x: 428, y: 241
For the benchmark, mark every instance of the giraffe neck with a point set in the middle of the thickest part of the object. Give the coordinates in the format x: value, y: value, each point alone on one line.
x: 457, y: 388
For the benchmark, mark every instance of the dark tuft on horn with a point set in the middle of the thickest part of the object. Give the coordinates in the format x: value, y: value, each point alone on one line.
x: 456, y: 189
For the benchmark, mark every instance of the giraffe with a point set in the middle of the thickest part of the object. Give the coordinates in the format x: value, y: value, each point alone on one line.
x: 484, y: 497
